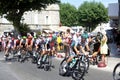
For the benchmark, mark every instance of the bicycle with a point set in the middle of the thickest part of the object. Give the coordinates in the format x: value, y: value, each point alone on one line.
x: 36, y: 56
x: 22, y: 55
x: 76, y: 68
x: 45, y: 62
x: 116, y: 72
x: 10, y: 54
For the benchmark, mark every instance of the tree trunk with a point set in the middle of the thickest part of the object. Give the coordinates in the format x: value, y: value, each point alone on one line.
x: 16, y: 24
x: 16, y: 21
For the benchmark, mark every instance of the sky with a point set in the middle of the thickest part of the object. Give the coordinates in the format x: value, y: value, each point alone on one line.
x: 77, y: 3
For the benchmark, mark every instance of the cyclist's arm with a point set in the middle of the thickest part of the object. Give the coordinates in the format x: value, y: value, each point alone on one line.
x: 87, y: 46
x: 32, y: 42
x: 14, y: 44
x: 82, y: 49
x: 26, y: 44
x: 76, y: 50
x: 20, y: 42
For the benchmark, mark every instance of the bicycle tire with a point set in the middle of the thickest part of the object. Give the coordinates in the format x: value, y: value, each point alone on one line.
x: 47, y: 63
x: 115, y: 72
x: 87, y: 64
x: 46, y: 67
x: 61, y: 71
x: 79, y: 72
x: 39, y: 62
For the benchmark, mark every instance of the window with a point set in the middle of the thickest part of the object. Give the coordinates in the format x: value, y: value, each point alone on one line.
x: 46, y: 20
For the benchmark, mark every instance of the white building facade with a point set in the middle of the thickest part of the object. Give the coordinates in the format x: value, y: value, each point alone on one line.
x: 36, y: 19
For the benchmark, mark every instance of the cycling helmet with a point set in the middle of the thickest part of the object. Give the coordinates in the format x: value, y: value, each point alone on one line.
x: 24, y: 37
x: 35, y: 37
x: 84, y: 36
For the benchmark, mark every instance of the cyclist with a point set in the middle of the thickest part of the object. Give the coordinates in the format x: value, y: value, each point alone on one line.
x: 79, y: 42
x: 43, y: 46
x: 73, y: 49
x: 84, y: 44
x: 53, y: 44
x: 85, y: 38
x: 17, y: 42
x: 23, y: 43
x: 7, y: 45
x: 34, y: 43
x: 29, y: 42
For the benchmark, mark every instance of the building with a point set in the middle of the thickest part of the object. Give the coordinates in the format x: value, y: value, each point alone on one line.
x: 36, y: 19
x: 113, y: 10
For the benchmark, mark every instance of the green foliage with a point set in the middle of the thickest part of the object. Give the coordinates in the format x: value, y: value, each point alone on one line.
x: 23, y: 29
x: 90, y: 14
x: 14, y: 9
x: 68, y: 14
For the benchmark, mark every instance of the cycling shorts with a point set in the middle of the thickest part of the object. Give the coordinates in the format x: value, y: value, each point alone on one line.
x: 72, y: 52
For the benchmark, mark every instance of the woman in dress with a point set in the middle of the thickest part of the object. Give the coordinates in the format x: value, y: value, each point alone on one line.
x: 104, y: 46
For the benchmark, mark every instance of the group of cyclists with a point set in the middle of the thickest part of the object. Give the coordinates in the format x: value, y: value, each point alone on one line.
x: 27, y: 42
x: 74, y: 44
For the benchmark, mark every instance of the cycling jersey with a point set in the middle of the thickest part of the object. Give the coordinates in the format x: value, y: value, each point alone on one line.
x: 17, y: 42
x: 29, y: 40
x: 76, y: 40
x: 23, y: 42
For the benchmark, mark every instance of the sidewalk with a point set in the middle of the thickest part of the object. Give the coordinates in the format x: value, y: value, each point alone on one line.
x: 113, y: 50
x: 112, y: 61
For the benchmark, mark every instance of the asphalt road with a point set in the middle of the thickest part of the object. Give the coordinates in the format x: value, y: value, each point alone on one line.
x: 14, y: 70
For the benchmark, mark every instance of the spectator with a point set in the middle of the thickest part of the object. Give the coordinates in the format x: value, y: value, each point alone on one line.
x: 97, y: 44
x: 59, y: 42
x: 104, y: 47
x: 66, y: 42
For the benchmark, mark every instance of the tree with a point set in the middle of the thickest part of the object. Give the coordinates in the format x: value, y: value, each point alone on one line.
x: 13, y: 10
x: 68, y: 14
x: 90, y: 14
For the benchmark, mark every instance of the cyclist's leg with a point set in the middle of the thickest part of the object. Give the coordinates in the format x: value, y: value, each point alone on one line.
x: 71, y: 55
x: 7, y: 49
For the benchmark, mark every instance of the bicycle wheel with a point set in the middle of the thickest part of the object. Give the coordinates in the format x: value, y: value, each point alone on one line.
x: 34, y: 57
x: 39, y: 62
x: 86, y: 61
x: 116, y: 72
x: 47, y: 63
x: 62, y: 69
x: 79, y: 71
x: 23, y: 56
